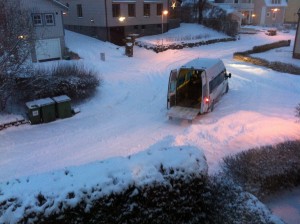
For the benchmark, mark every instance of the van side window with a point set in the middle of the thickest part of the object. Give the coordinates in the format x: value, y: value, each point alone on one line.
x: 216, y: 81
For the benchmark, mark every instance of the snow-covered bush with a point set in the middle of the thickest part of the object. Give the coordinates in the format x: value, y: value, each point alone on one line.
x: 64, y: 79
x: 231, y: 204
x: 266, y: 169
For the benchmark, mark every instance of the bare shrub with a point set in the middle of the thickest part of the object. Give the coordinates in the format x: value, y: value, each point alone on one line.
x: 71, y: 79
x: 16, y: 40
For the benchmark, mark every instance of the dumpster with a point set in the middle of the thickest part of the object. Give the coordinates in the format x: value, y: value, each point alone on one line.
x: 47, y: 106
x: 63, y: 106
x: 33, y: 112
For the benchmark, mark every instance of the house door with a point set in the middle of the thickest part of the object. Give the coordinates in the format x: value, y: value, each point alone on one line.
x: 117, y: 34
x: 48, y: 49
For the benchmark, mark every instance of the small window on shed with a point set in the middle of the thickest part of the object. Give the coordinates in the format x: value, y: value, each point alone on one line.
x: 37, y: 19
x: 49, y: 19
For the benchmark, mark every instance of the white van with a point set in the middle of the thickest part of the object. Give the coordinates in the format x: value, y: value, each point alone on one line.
x: 195, y: 88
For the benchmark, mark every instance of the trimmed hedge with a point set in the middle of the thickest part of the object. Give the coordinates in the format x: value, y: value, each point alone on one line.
x: 212, y: 200
x: 276, y: 66
x: 267, y: 169
x: 161, y: 48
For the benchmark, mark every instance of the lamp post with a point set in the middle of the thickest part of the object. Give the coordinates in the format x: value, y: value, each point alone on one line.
x: 165, y: 12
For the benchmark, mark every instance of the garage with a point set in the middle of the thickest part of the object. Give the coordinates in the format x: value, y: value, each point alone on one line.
x: 48, y: 49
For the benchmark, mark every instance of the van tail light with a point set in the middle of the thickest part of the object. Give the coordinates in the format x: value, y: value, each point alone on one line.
x: 206, y: 100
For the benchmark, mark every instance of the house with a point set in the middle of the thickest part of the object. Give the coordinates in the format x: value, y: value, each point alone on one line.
x: 258, y: 12
x: 296, y: 50
x: 113, y: 20
x: 243, y: 7
x: 269, y: 12
x: 47, y: 19
x: 291, y: 11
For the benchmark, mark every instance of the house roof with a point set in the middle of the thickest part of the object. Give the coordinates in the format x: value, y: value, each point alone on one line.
x: 282, y: 3
x: 60, y: 4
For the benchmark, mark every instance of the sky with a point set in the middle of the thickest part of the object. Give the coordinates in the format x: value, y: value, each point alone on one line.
x: 127, y: 116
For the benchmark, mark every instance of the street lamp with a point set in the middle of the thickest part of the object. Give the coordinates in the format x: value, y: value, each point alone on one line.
x: 121, y: 18
x: 165, y: 12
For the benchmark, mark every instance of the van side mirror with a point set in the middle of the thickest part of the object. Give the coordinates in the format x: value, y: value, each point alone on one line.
x: 228, y: 75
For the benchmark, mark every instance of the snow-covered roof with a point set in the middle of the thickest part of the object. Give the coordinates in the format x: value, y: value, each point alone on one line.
x: 202, y: 63
x: 281, y: 4
x: 62, y: 98
x: 60, y: 4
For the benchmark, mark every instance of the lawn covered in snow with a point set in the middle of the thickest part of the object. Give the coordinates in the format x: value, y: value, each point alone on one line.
x: 128, y: 113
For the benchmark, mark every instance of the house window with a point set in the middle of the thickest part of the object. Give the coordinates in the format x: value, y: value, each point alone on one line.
x: 79, y: 10
x: 146, y: 9
x: 131, y: 10
x: 236, y: 1
x: 37, y: 19
x: 159, y: 9
x: 143, y: 27
x: 116, y: 10
x: 49, y: 19
x: 276, y: 1
x: 268, y: 14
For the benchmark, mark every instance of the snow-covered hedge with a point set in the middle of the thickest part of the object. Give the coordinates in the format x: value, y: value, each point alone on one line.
x: 160, y: 185
x: 160, y: 48
x: 147, y: 184
x: 267, y: 169
x: 63, y: 79
x: 277, y: 66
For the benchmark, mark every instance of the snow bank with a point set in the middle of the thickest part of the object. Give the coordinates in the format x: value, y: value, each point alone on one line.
x: 47, y: 193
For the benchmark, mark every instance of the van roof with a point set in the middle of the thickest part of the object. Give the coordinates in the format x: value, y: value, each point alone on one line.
x: 202, y: 63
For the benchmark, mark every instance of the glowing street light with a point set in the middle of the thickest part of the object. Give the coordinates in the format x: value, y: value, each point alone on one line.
x: 121, y: 18
x: 165, y: 12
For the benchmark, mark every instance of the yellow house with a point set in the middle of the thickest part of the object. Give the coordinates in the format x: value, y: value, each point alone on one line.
x: 291, y: 11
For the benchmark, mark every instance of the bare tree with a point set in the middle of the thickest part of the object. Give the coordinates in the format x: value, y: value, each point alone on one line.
x: 16, y: 41
x: 201, y: 4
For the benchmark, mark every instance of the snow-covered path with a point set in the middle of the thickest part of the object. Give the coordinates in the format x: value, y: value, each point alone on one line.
x: 128, y: 113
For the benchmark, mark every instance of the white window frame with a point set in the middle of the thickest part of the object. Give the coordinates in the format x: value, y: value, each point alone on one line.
x: 37, y: 21
x: 46, y: 21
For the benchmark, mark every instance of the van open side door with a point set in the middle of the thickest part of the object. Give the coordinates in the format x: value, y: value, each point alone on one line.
x: 172, y: 89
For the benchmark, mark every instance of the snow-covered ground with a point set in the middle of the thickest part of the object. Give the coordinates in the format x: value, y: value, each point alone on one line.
x: 128, y: 113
